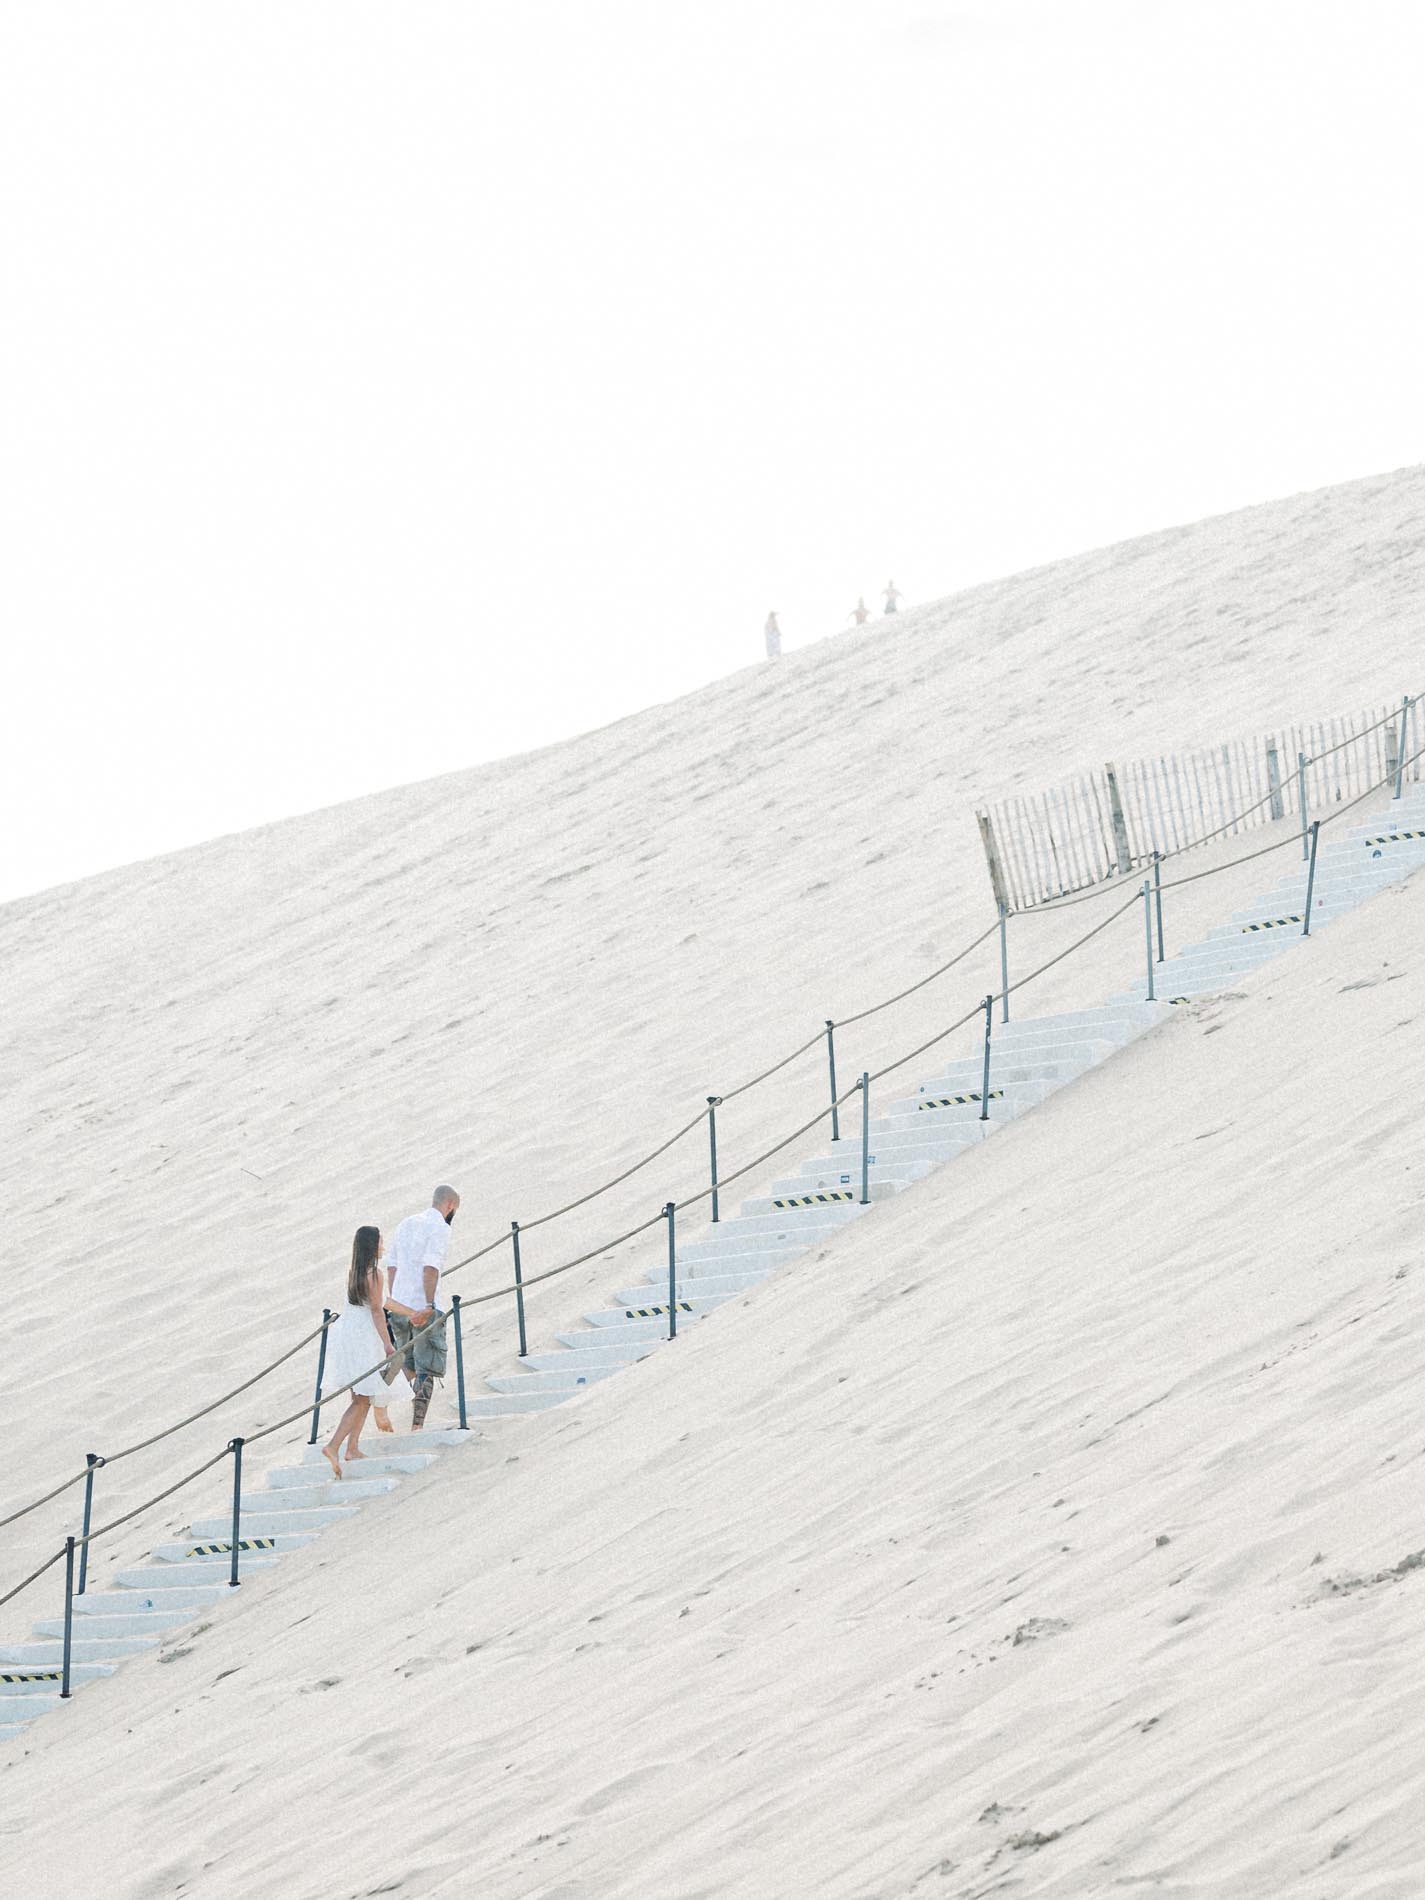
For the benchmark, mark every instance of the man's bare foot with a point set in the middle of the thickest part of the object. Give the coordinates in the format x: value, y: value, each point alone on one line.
x: 332, y: 1459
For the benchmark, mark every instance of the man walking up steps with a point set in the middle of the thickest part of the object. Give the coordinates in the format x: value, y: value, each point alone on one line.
x: 418, y: 1250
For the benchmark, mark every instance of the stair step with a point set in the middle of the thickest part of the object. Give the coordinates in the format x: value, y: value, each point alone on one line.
x: 21, y: 1681
x: 258, y: 1524
x: 838, y: 1206
x: 758, y: 1219
x: 314, y: 1496
x: 616, y: 1355
x: 1110, y: 1022
x: 641, y: 1334
x: 273, y: 1544
x: 650, y: 1322
x: 174, y: 1576
x: 907, y: 1166
x: 705, y: 1286
x: 135, y: 1623
x: 432, y: 1439
x: 504, y: 1405
x: 923, y: 1122
x: 373, y: 1465
x: 733, y: 1247
x: 82, y: 1649
x: 557, y: 1381
x: 908, y: 1124
x: 19, y: 1714
x: 895, y: 1160
x: 177, y: 1595
x: 1060, y: 1063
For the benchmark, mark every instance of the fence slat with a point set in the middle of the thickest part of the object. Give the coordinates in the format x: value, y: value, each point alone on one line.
x: 1008, y: 830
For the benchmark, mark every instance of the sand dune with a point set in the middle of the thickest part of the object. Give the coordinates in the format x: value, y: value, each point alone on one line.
x: 860, y: 1591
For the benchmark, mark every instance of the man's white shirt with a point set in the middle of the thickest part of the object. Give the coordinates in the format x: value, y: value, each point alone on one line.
x: 421, y: 1241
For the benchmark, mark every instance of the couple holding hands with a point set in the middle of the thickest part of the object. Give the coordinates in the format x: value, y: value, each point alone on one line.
x: 383, y: 1315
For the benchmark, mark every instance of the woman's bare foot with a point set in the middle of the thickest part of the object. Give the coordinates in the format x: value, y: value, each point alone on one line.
x: 352, y: 1456
x: 382, y: 1418
x: 330, y: 1455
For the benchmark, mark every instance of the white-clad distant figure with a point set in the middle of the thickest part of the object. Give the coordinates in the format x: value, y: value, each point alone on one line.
x: 774, y: 638
x: 893, y: 595
x: 860, y: 613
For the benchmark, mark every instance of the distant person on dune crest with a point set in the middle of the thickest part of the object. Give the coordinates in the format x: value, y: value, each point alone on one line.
x: 893, y: 596
x: 357, y: 1342
x: 418, y: 1249
x: 860, y: 613
x: 774, y: 638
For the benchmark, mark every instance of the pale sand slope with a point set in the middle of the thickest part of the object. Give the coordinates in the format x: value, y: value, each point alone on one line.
x: 861, y: 1589
x: 617, y: 925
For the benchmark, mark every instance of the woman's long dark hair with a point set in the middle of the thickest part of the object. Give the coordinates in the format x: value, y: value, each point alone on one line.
x: 365, y: 1251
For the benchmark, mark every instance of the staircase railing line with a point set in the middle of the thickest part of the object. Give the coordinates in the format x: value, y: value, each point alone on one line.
x: 34, y: 1576
x: 550, y: 1273
x: 112, y: 1458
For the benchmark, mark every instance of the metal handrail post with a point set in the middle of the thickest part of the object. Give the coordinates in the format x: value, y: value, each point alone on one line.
x: 865, y: 1087
x: 1301, y: 764
x: 327, y: 1317
x: 94, y: 1461
x: 68, y: 1617
x: 989, y: 1008
x: 1148, y: 931
x: 1400, y: 749
x: 235, y: 1447
x: 831, y: 1065
x: 1311, y: 880
x: 670, y: 1214
x: 1158, y: 897
x: 519, y: 1285
x: 459, y: 1362
x: 713, y: 1102
x: 1004, y: 962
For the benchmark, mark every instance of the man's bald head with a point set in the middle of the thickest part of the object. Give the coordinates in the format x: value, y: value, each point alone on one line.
x: 445, y: 1200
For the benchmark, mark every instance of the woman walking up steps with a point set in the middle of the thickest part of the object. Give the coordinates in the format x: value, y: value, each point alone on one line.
x: 357, y: 1341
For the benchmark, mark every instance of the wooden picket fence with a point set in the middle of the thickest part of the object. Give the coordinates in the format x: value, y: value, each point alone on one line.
x: 1108, y: 824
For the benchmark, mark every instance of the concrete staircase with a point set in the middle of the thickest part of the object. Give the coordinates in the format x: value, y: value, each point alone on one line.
x: 912, y: 1134
x: 179, y: 1582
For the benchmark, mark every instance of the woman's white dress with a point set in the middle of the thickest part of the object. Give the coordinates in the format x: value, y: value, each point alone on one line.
x: 354, y: 1346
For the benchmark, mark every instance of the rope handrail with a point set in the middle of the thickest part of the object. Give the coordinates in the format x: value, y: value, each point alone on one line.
x: 113, y: 1458
x: 502, y: 1292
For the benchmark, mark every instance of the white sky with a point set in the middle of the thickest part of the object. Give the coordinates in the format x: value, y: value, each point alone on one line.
x: 389, y: 387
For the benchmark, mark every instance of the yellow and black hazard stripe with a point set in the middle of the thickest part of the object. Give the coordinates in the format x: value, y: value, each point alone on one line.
x: 1394, y: 837
x: 1270, y: 923
x: 815, y: 1200
x: 34, y: 1675
x: 653, y: 1312
x: 958, y: 1101
x: 226, y: 1550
